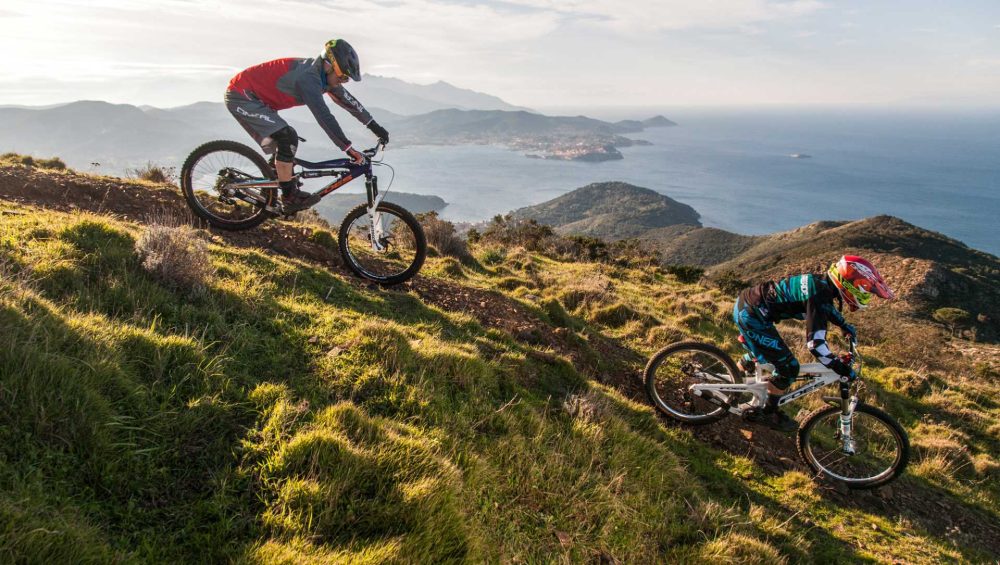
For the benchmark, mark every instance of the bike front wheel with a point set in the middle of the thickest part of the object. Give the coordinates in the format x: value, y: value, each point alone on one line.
x: 670, y: 374
x: 217, y: 181
x: 387, y: 247
x: 880, y: 453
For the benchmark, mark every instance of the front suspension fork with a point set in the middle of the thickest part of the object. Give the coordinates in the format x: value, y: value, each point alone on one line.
x: 846, y: 424
x: 375, y: 224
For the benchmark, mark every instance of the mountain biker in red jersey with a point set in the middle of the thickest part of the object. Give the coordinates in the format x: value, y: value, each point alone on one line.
x: 851, y: 280
x: 256, y: 94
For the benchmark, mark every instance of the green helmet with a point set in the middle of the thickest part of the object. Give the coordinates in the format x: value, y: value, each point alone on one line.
x: 344, y: 58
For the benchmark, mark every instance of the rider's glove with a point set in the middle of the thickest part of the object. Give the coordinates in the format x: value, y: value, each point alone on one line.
x: 356, y: 157
x: 379, y: 131
x: 850, y: 332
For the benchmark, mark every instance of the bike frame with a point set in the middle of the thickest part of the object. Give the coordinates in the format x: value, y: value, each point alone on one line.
x: 818, y: 375
x: 345, y: 170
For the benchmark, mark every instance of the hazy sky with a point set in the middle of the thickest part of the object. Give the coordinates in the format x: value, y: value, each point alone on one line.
x: 538, y: 53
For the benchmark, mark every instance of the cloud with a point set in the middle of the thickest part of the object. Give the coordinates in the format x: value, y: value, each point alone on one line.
x: 983, y: 63
x: 663, y: 15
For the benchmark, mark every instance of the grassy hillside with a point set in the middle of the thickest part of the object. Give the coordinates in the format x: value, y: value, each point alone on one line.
x: 284, y: 412
x: 701, y: 247
x: 929, y: 270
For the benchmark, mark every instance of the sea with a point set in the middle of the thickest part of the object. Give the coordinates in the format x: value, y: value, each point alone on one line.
x: 755, y: 171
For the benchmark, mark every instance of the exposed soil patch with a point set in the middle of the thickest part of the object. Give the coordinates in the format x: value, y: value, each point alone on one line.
x: 148, y: 203
x: 68, y: 191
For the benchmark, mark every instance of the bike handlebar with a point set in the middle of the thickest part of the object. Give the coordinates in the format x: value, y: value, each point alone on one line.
x: 371, y: 152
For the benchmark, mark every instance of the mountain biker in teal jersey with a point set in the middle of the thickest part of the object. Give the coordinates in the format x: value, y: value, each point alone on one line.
x: 256, y: 94
x: 851, y: 281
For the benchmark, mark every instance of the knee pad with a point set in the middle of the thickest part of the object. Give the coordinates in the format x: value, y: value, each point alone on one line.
x: 286, y: 140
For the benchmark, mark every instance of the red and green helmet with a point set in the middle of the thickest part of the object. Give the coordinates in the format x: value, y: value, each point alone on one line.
x: 857, y: 280
x: 344, y: 59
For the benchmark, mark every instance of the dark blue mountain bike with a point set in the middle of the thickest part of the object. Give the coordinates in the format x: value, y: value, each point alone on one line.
x: 233, y: 187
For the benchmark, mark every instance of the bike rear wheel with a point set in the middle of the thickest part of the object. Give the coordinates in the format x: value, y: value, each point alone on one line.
x: 209, y: 180
x: 400, y: 245
x: 881, y: 450
x: 671, y: 372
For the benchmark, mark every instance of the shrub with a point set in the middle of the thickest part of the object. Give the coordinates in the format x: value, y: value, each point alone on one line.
x: 984, y: 370
x: 688, y: 274
x: 529, y: 234
x: 311, y: 217
x: 441, y: 234
x: 492, y: 256
x: 632, y: 252
x: 954, y: 318
x: 511, y: 231
x: 730, y: 282
x: 323, y: 237
x: 176, y: 255
x: 154, y: 173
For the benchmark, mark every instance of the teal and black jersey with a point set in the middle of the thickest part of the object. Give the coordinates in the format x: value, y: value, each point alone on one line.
x: 806, y: 297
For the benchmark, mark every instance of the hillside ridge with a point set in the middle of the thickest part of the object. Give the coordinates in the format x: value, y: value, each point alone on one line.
x: 610, y: 210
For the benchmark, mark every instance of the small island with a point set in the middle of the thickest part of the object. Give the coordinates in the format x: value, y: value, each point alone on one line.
x: 590, y: 152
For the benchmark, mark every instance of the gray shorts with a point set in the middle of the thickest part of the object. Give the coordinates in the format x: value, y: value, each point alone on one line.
x: 259, y: 119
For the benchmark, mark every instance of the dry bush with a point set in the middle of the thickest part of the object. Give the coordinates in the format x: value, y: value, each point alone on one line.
x: 730, y: 282
x: 625, y: 252
x: 509, y: 231
x: 176, y: 255
x: 310, y: 217
x: 589, y: 407
x: 153, y: 173
x: 689, y: 274
x: 441, y: 234
x: 27, y: 160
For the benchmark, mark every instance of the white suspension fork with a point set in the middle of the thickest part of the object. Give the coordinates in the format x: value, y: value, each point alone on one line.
x: 377, y: 223
x: 847, y: 427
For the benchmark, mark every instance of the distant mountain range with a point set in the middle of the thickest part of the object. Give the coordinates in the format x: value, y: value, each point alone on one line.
x: 120, y: 136
x: 401, y: 97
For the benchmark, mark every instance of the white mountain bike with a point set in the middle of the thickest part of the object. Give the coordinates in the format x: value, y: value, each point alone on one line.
x: 847, y: 440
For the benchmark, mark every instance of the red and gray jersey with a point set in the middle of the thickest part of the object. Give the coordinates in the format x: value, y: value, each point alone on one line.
x: 285, y: 83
